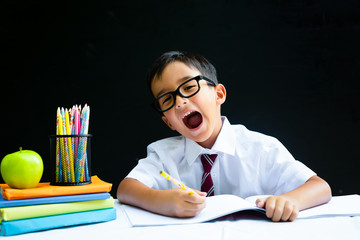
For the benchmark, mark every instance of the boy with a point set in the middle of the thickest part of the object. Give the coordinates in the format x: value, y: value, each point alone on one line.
x: 242, y: 162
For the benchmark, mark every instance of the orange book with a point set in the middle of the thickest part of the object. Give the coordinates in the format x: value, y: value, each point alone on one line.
x: 47, y: 190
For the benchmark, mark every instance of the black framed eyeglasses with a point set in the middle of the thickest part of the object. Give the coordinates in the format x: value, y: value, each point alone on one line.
x: 187, y: 89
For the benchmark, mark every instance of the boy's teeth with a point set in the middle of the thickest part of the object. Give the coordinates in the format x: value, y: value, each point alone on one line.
x: 186, y: 114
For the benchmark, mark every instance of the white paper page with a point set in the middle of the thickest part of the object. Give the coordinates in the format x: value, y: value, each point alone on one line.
x: 221, y: 205
x: 348, y: 205
x: 216, y: 206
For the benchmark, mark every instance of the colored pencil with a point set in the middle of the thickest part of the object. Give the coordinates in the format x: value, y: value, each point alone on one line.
x: 71, y: 151
x: 173, y: 180
x: 69, y: 142
x: 57, y: 174
x: 62, y: 149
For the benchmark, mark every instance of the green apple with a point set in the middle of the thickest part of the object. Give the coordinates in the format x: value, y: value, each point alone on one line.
x: 22, y: 169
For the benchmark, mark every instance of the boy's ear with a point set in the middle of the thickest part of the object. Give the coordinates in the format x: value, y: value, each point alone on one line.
x: 220, y: 94
x: 167, y: 122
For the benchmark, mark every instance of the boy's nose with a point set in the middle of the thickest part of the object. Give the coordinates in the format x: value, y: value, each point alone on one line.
x: 180, y: 101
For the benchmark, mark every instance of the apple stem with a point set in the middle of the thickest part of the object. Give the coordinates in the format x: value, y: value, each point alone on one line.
x: 20, y: 148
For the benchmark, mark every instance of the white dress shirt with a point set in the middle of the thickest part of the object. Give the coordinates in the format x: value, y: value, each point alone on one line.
x: 248, y: 163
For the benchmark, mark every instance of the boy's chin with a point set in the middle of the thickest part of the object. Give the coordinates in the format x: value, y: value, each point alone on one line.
x: 198, y: 134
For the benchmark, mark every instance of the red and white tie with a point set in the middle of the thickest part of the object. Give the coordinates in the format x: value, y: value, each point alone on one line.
x: 206, y: 181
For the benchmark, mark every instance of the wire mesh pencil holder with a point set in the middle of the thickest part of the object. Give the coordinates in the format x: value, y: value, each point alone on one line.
x: 70, y: 157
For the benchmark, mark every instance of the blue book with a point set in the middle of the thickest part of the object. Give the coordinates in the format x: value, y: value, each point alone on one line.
x: 50, y: 200
x: 65, y: 220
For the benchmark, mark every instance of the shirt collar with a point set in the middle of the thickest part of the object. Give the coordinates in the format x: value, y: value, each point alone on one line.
x: 225, y: 143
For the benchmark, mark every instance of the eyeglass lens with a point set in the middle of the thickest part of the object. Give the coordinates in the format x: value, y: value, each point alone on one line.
x: 187, y: 89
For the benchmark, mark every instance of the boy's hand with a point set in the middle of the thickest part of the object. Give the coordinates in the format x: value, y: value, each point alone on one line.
x: 174, y: 202
x: 278, y: 208
x: 180, y: 203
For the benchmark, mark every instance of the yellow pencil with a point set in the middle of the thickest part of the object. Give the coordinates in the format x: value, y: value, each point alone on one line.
x: 57, y: 173
x: 69, y: 145
x: 62, y: 149
x: 173, y: 180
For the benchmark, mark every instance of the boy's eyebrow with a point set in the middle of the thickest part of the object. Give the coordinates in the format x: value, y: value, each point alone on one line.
x: 183, y: 79
x: 179, y: 81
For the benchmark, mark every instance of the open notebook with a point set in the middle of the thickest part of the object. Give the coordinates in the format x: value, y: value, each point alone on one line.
x: 223, y: 205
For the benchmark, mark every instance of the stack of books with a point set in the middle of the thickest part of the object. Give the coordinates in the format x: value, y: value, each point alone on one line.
x: 48, y: 207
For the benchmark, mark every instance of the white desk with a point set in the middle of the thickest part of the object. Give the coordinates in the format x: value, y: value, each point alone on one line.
x: 320, y: 228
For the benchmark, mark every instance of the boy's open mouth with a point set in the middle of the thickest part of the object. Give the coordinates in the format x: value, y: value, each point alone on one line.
x: 192, y: 120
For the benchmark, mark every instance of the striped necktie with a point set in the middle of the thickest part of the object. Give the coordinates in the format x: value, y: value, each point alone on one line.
x: 206, y: 181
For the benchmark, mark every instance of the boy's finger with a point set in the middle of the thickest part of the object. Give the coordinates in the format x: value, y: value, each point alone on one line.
x: 294, y: 214
x: 199, y: 192
x: 193, y: 209
x: 195, y: 198
x: 278, y: 210
x: 260, y: 202
x: 288, y: 210
x: 270, y: 206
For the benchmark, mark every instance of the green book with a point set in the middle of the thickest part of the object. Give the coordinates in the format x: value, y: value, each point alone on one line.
x: 33, y: 211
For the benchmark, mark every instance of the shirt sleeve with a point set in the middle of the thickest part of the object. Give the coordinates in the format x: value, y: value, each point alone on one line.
x: 283, y: 173
x: 147, y: 171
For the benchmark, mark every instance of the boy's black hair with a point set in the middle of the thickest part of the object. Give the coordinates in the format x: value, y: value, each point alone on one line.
x: 190, y: 59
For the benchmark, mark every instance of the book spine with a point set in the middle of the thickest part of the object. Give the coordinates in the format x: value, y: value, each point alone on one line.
x: 43, y: 223
x: 17, y: 213
x: 52, y: 200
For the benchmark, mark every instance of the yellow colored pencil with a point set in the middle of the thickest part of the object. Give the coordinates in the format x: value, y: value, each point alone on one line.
x: 57, y: 173
x: 62, y: 149
x: 69, y: 145
x: 173, y: 180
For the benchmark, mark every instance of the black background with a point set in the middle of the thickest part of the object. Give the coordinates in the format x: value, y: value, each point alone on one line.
x: 291, y: 69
